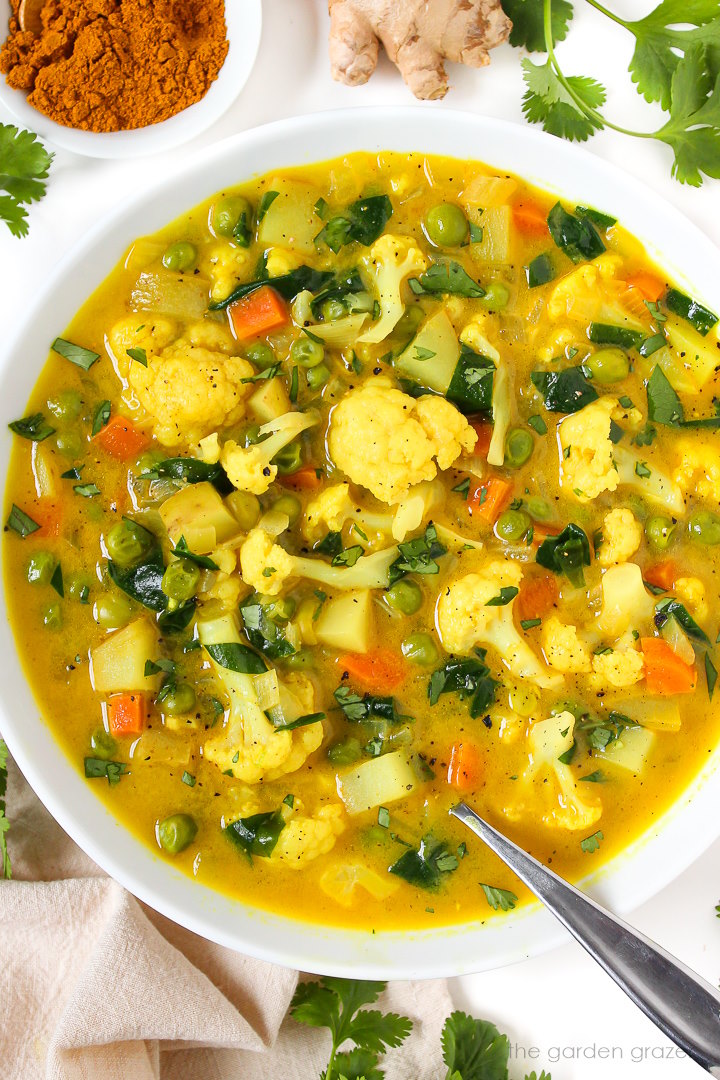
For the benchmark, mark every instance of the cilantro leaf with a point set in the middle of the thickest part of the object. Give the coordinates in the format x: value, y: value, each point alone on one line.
x: 658, y: 42
x: 474, y: 1049
x: 693, y: 130
x: 425, y: 865
x: 24, y: 167
x: 548, y: 102
x: 527, y: 19
x: 357, y: 1065
x: 501, y: 899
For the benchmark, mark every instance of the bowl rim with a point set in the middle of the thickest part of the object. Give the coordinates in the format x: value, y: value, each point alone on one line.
x: 652, y: 861
x: 244, y: 28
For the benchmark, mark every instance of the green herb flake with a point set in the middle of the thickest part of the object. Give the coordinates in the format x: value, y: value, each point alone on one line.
x: 138, y: 355
x: 499, y: 899
x: 87, y: 491
x: 710, y: 675
x: 383, y: 817
x: 35, y: 428
x: 188, y: 778
x: 506, y: 595
x: 537, y: 423
x: 530, y: 624
x: 20, y: 522
x: 101, y: 417
x: 591, y: 843
x: 76, y: 354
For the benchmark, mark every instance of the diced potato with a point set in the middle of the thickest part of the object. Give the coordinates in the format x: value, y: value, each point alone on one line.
x: 658, y: 714
x: 184, y: 296
x: 342, y: 882
x: 269, y: 401
x: 46, y: 470
x: 118, y: 663
x: 290, y: 220
x: 342, y: 331
x: 346, y: 622
x: 436, y: 336
x: 162, y: 748
x: 495, y: 244
x: 199, y: 514
x: 699, y: 355
x: 488, y: 192
x: 676, y: 369
x: 630, y: 751
x: 377, y: 782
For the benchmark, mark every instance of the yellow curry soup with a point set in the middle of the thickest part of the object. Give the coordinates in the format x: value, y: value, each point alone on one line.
x: 360, y: 489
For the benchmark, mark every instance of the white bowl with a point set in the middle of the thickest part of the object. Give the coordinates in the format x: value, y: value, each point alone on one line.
x: 243, y: 19
x: 650, y: 863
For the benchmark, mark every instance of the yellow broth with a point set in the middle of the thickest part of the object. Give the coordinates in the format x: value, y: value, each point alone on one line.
x: 637, y: 769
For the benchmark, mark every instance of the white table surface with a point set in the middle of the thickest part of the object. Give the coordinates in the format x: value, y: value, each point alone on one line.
x: 561, y: 1012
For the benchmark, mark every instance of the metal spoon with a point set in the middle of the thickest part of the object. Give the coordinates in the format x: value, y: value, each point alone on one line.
x: 684, y: 1006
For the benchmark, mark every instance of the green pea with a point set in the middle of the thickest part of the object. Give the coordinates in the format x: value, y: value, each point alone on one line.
x: 288, y: 504
x: 66, y: 406
x: 112, y: 611
x: 446, y: 225
x: 127, y: 543
x: 306, y: 352
x: 280, y: 609
x: 103, y: 743
x: 704, y: 527
x: 519, y: 445
x: 289, y: 459
x: 180, y: 580
x: 180, y: 700
x: 658, y: 531
x: 496, y: 296
x: 607, y: 366
x: 405, y: 596
x: 245, y: 508
x: 420, y: 649
x: 332, y: 310
x: 70, y: 444
x: 318, y: 376
x: 303, y: 658
x: 179, y: 256
x: 540, y: 509
x: 77, y: 587
x: 176, y: 833
x: 227, y: 212
x: 52, y: 616
x: 40, y: 567
x: 346, y: 752
x: 260, y: 354
x: 512, y: 525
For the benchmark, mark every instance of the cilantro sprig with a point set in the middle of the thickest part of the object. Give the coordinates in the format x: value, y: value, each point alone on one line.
x: 24, y: 168
x: 676, y: 67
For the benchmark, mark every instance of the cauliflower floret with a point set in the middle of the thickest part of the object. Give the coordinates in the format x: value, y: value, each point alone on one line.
x: 586, y: 451
x: 619, y: 668
x: 145, y: 331
x: 563, y: 649
x: 189, y: 391
x: 622, y: 536
x: 209, y: 334
x: 225, y: 264
x: 626, y: 604
x: 691, y: 591
x: 465, y: 620
x: 281, y: 261
x: 250, y: 468
x: 390, y: 261
x: 699, y: 470
x: 305, y: 838
x: 473, y: 335
x: 591, y: 294
x: 265, y: 566
x: 331, y: 508
x: 209, y: 448
x: 556, y: 344
x: 631, y: 418
x: 249, y: 746
x: 386, y: 441
x: 566, y: 806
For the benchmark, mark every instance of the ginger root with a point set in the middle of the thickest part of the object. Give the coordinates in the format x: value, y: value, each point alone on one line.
x: 418, y: 36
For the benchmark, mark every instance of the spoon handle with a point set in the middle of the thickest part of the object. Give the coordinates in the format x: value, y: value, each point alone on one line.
x: 682, y: 1005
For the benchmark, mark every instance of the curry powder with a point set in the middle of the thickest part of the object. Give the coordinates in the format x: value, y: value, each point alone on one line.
x: 112, y: 65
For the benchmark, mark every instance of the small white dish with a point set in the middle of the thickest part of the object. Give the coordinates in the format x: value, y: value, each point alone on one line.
x: 244, y: 22
x: 673, y: 840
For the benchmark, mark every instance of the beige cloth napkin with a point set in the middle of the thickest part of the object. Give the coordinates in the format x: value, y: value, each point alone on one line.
x: 96, y: 986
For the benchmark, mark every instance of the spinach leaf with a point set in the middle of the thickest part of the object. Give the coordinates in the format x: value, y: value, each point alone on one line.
x: 258, y: 834
x: 601, y: 732
x: 565, y: 391
x: 266, y: 201
x: 359, y: 709
x: 331, y: 544
x: 566, y: 554
x: 607, y: 334
x: 76, y: 354
x: 576, y: 236
x: 506, y: 595
x: 348, y: 556
x: 101, y: 417
x: 417, y: 556
x: 341, y: 288
x: 426, y: 866
x: 302, y: 721
x: 138, y: 355
x: 468, y: 678
x: 35, y: 428
x: 288, y: 285
x: 236, y: 657
x: 471, y: 386
x: 192, y: 470
x: 362, y: 221
x: 651, y: 344
x: 673, y: 609
x: 605, y: 221
x: 142, y: 581
x: 664, y: 406
x: 174, y: 620
x: 182, y: 551
x: 264, y: 634
x: 446, y: 277
x: 20, y: 522
x: 111, y: 770
x: 540, y: 271
x: 698, y: 316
